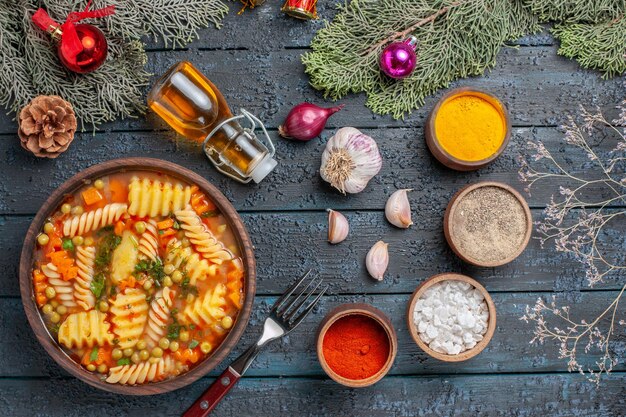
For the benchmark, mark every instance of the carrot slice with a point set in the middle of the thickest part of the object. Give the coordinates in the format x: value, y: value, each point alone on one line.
x: 119, y: 228
x: 119, y: 191
x: 165, y: 224
x: 91, y: 196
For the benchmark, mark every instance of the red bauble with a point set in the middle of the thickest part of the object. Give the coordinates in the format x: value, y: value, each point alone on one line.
x: 93, y: 54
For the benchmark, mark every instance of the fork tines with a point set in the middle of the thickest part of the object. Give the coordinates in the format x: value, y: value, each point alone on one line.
x: 286, y: 308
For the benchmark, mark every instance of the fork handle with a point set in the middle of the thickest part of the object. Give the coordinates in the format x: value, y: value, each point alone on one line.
x: 214, y: 394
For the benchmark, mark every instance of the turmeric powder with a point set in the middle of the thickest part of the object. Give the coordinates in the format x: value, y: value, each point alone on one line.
x: 469, y: 127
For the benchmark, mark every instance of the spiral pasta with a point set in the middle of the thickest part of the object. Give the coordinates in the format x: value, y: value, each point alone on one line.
x: 63, y: 289
x: 154, y: 198
x: 93, y: 220
x: 201, y: 237
x: 130, y: 314
x: 158, y: 316
x: 141, y: 372
x: 208, y: 308
x: 196, y: 268
x: 149, y: 242
x: 85, y: 329
x: 85, y: 257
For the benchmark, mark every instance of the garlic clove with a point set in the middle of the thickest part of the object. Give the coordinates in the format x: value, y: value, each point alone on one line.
x: 398, y: 209
x: 377, y: 260
x: 338, y: 227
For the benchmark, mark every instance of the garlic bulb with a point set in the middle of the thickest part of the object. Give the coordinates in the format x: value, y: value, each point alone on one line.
x: 350, y: 160
x: 377, y: 260
x: 398, y: 210
x: 338, y: 227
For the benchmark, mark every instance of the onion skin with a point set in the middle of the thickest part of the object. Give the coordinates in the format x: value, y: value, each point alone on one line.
x: 306, y: 121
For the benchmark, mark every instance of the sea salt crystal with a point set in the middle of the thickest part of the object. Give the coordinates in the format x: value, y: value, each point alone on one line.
x: 451, y: 317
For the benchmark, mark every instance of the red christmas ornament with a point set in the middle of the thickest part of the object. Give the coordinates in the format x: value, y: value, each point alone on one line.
x: 82, y: 47
x: 301, y: 9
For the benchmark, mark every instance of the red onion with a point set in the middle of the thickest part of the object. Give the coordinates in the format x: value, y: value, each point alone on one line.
x: 306, y: 121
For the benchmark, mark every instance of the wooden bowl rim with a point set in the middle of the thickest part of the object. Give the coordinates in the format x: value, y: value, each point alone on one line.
x: 356, y: 309
x: 491, y: 326
x: 136, y: 164
x: 452, y: 205
x: 451, y: 161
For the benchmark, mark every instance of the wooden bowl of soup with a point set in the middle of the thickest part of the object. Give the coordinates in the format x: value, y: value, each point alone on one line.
x: 137, y: 276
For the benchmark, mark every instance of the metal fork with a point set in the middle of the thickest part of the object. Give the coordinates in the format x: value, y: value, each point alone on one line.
x: 284, y: 316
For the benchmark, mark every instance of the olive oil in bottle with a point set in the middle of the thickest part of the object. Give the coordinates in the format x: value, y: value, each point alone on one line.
x: 195, y: 108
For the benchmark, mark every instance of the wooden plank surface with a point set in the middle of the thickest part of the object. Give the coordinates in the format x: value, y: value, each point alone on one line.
x: 255, y: 61
x: 446, y: 395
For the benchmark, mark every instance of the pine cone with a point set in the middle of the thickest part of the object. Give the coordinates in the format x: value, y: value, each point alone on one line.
x: 47, y: 126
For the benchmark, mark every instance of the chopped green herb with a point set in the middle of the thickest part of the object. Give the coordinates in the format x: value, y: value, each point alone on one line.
x: 161, y: 232
x: 116, y: 341
x: 123, y: 361
x: 55, y: 328
x: 97, y: 284
x: 94, y: 354
x: 113, y: 291
x: 192, y: 326
x: 103, y: 230
x: 185, y: 288
x: 105, y: 251
x: 68, y: 245
x: 176, y: 225
x: 193, y: 344
x: 210, y: 213
x: 153, y: 268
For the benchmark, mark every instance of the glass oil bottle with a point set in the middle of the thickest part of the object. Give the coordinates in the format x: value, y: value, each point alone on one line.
x: 195, y: 108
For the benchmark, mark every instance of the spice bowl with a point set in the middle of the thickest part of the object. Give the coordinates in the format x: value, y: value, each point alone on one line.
x: 487, y: 224
x: 430, y: 284
x: 457, y: 136
x: 360, y: 335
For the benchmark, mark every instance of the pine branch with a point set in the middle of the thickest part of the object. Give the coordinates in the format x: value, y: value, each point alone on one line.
x: 576, y: 11
x: 599, y: 46
x: 29, y: 65
x: 462, y: 42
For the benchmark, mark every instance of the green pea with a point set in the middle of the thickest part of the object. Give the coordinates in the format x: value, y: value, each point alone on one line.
x: 167, y: 281
x: 77, y: 210
x: 66, y: 208
x: 48, y: 227
x: 147, y: 285
x: 227, y: 322
x: 168, y: 269
x: 54, y: 303
x: 50, y: 292
x: 47, y: 309
x: 144, y: 354
x: 128, y: 352
x: 164, y: 343
x: 91, y: 367
x: 102, y: 368
x: 61, y: 309
x: 205, y: 347
x: 78, y: 240
x: 117, y: 354
x: 141, y: 345
x: 89, y: 241
x: 43, y: 239
x: 103, y: 306
x: 177, y: 276
x: 140, y: 227
x: 55, y: 317
x: 135, y: 358
x: 99, y: 184
x: 174, y: 346
x: 157, y: 352
x: 183, y: 336
x: 154, y: 360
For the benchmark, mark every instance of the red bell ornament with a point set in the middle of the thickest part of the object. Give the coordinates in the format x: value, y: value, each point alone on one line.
x: 82, y: 47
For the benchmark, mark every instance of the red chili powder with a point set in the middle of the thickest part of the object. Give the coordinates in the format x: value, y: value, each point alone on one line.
x: 356, y: 347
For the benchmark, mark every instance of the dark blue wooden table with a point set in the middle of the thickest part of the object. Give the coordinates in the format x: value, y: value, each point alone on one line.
x: 254, y: 60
